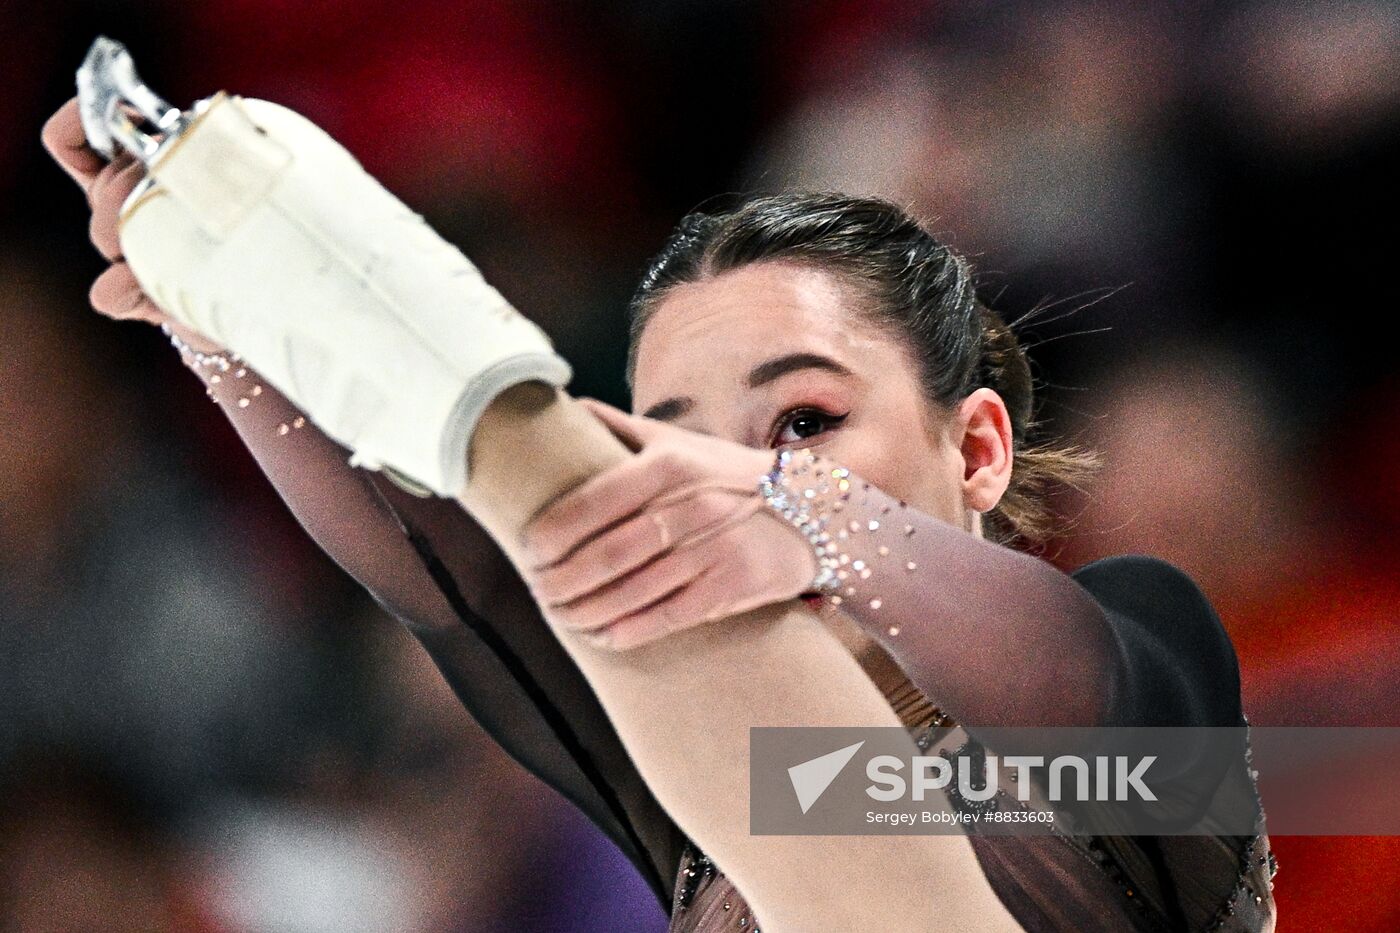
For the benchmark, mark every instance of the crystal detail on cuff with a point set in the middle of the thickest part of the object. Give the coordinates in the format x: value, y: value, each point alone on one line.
x: 797, y: 503
x: 222, y: 362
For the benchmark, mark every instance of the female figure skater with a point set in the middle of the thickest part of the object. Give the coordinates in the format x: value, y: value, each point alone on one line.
x: 837, y: 331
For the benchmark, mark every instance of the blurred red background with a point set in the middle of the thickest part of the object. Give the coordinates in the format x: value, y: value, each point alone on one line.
x: 207, y: 727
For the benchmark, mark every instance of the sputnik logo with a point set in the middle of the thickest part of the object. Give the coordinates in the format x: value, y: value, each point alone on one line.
x: 811, y: 778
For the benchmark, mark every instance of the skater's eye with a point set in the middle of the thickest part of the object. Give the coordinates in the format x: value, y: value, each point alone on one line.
x: 801, y: 424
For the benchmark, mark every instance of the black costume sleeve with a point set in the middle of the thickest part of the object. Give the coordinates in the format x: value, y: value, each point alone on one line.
x: 436, y: 570
x: 1180, y: 668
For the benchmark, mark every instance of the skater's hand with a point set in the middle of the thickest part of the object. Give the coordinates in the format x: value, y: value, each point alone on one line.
x: 116, y: 292
x: 672, y: 537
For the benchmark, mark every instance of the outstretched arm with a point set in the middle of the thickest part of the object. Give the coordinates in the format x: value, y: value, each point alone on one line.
x: 425, y: 560
x: 445, y: 579
x: 683, y: 706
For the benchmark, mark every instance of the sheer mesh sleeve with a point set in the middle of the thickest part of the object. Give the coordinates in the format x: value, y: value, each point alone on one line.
x: 435, y: 569
x: 995, y: 637
x: 1000, y: 638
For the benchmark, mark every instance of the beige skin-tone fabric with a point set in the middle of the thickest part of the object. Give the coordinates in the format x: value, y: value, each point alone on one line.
x: 797, y: 674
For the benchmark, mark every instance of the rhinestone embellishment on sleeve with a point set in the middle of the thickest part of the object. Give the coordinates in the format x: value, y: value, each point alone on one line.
x: 226, y: 369
x: 856, y: 532
x: 805, y: 496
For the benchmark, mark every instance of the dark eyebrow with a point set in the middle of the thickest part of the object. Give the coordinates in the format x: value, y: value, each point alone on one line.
x: 766, y: 372
x: 670, y: 409
x: 762, y: 374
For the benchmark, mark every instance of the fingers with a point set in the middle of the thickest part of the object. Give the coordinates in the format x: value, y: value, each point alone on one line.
x: 63, y: 137
x: 722, y: 590
x: 755, y: 563
x: 632, y: 544
x: 118, y: 295
x: 637, y: 591
x: 598, y: 504
x: 633, y: 430
x: 107, y: 185
x: 679, y: 610
x: 108, y: 193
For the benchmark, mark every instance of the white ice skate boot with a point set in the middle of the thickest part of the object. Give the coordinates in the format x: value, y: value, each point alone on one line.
x: 258, y: 230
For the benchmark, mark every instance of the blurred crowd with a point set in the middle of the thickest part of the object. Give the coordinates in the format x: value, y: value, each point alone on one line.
x: 205, y: 726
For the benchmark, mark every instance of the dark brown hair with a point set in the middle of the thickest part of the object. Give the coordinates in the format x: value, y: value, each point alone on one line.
x: 920, y: 289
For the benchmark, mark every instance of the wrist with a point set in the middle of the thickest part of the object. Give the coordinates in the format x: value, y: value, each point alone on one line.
x: 191, y: 343
x: 809, y: 493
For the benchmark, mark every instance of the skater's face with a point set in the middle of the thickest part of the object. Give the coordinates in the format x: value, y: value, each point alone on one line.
x: 778, y: 354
